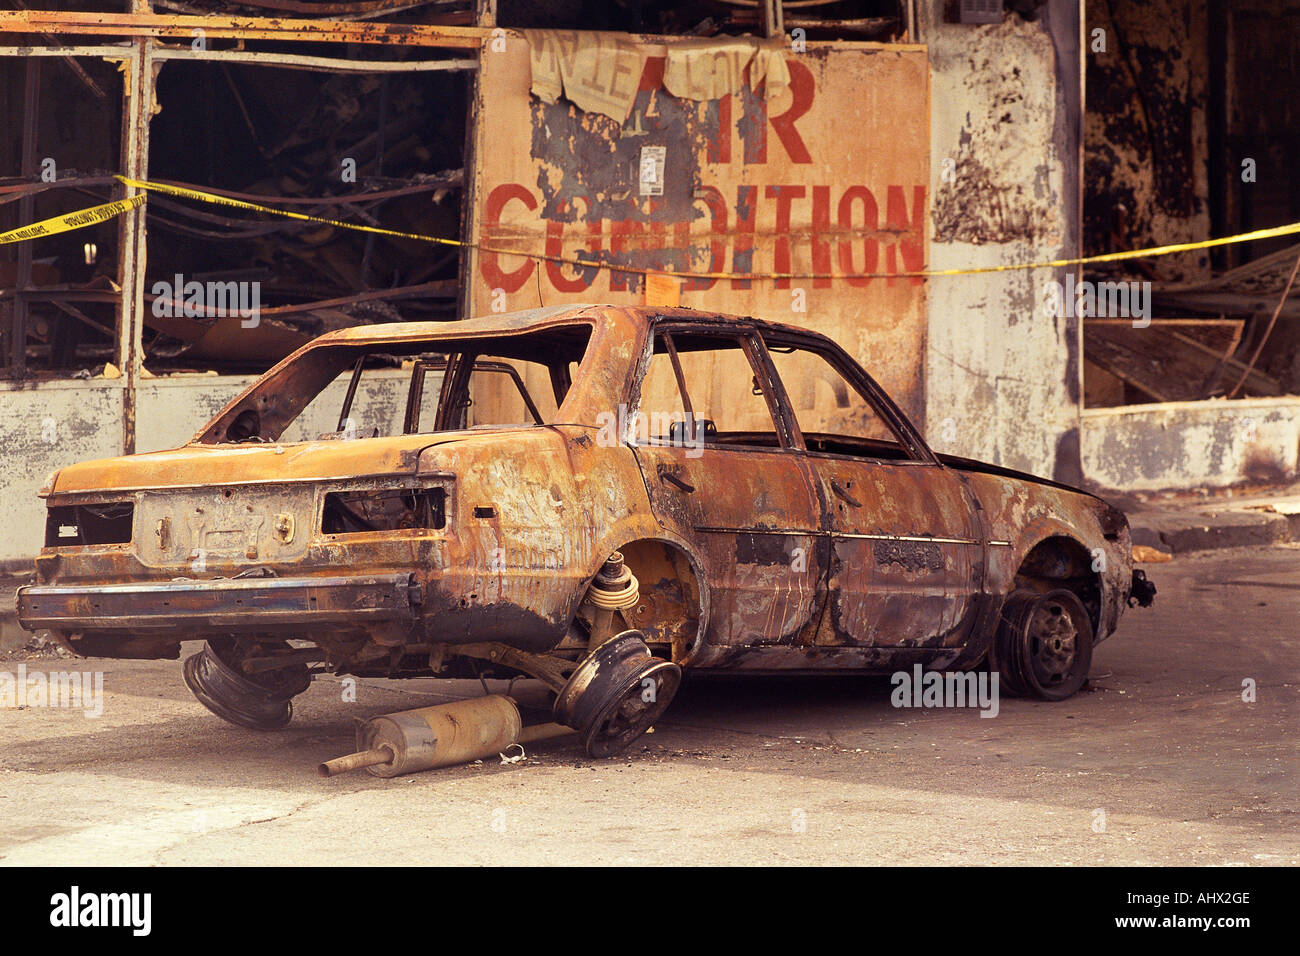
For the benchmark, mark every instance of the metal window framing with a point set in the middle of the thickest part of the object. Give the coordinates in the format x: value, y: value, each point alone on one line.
x: 141, y: 55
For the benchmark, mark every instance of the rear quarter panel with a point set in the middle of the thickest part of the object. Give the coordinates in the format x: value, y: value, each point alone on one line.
x: 536, y: 512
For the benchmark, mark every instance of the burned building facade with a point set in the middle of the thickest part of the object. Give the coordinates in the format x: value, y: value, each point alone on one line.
x: 804, y: 163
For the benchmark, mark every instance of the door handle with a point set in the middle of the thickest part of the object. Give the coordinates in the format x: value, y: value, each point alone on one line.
x: 843, y: 493
x: 668, y: 476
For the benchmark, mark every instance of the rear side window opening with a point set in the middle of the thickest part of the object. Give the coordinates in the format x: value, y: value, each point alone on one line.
x: 387, y: 389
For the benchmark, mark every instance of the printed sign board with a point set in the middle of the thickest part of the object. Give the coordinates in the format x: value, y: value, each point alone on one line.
x: 827, y: 175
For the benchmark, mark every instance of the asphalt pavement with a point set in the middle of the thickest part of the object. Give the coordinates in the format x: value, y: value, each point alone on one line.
x: 1164, y: 759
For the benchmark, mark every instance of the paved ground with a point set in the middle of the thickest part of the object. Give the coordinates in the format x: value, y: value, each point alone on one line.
x: 757, y: 772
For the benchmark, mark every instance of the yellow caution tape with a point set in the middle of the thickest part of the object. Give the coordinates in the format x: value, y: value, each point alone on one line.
x: 256, y: 207
x: 1272, y: 233
x: 72, y: 220
x: 1258, y: 234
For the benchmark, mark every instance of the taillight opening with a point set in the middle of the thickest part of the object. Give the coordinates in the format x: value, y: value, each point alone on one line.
x: 395, y: 509
x: 67, y: 525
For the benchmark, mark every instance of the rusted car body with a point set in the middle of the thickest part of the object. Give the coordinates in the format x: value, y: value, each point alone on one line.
x: 814, y: 531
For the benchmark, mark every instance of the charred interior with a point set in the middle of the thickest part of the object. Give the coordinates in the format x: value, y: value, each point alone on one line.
x: 1189, y: 130
x: 349, y: 512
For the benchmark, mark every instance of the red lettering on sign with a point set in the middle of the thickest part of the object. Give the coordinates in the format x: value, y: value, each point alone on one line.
x: 752, y: 127
x: 619, y: 234
x: 821, y: 224
x: 831, y: 230
x: 719, y: 147
x: 555, y: 248
x: 490, y: 266
x: 801, y: 88
x: 911, y: 251
x: 870, y: 222
x: 784, y: 196
x: 652, y: 77
x: 717, y: 247
x: 742, y: 257
x: 755, y: 121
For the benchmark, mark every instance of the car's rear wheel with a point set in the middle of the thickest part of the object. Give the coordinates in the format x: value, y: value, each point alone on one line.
x: 1043, y: 647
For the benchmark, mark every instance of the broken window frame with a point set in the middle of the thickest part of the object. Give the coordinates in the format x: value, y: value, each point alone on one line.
x: 304, y: 375
x: 910, y: 440
x: 14, y: 363
x: 838, y: 367
x: 144, y: 53
x: 773, y: 394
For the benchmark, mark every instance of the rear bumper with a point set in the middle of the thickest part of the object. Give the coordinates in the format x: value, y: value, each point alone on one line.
x: 222, y: 604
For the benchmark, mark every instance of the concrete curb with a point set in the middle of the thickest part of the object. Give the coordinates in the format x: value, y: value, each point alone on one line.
x: 1180, y: 533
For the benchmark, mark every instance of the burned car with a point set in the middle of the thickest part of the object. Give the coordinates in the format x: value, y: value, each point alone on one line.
x: 596, y: 497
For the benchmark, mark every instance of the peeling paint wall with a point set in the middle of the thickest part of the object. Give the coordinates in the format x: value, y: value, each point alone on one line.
x: 173, y: 409
x: 1192, y: 444
x: 46, y: 427
x: 1002, y: 378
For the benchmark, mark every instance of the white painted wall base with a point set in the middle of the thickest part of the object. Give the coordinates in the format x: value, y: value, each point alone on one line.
x: 44, y: 427
x: 1208, y: 444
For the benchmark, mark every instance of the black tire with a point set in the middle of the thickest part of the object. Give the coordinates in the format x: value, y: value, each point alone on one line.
x: 1043, y: 647
x: 1001, y: 651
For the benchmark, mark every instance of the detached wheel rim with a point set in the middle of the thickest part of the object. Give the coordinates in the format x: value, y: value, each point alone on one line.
x: 261, y: 704
x: 646, y: 695
x: 616, y: 694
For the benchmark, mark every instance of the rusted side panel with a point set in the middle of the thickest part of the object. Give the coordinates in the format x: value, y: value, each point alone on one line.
x: 1021, y: 515
x: 828, y: 178
x: 537, y: 511
x: 907, y: 557
x: 754, y: 518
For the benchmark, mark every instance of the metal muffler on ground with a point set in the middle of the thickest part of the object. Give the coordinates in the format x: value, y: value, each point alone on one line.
x: 440, y: 736
x: 610, y: 699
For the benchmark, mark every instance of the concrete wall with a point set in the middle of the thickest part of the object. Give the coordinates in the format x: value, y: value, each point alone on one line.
x: 1192, y: 444
x: 173, y: 409
x: 1002, y: 378
x: 45, y: 427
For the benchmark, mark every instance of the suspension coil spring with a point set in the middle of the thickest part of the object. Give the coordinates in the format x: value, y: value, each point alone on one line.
x: 615, y: 587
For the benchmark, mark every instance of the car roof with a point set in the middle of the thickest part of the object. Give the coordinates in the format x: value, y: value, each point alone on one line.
x: 518, y: 322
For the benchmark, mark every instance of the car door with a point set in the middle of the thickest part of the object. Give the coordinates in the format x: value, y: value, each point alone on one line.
x: 906, y: 555
x: 720, y: 472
